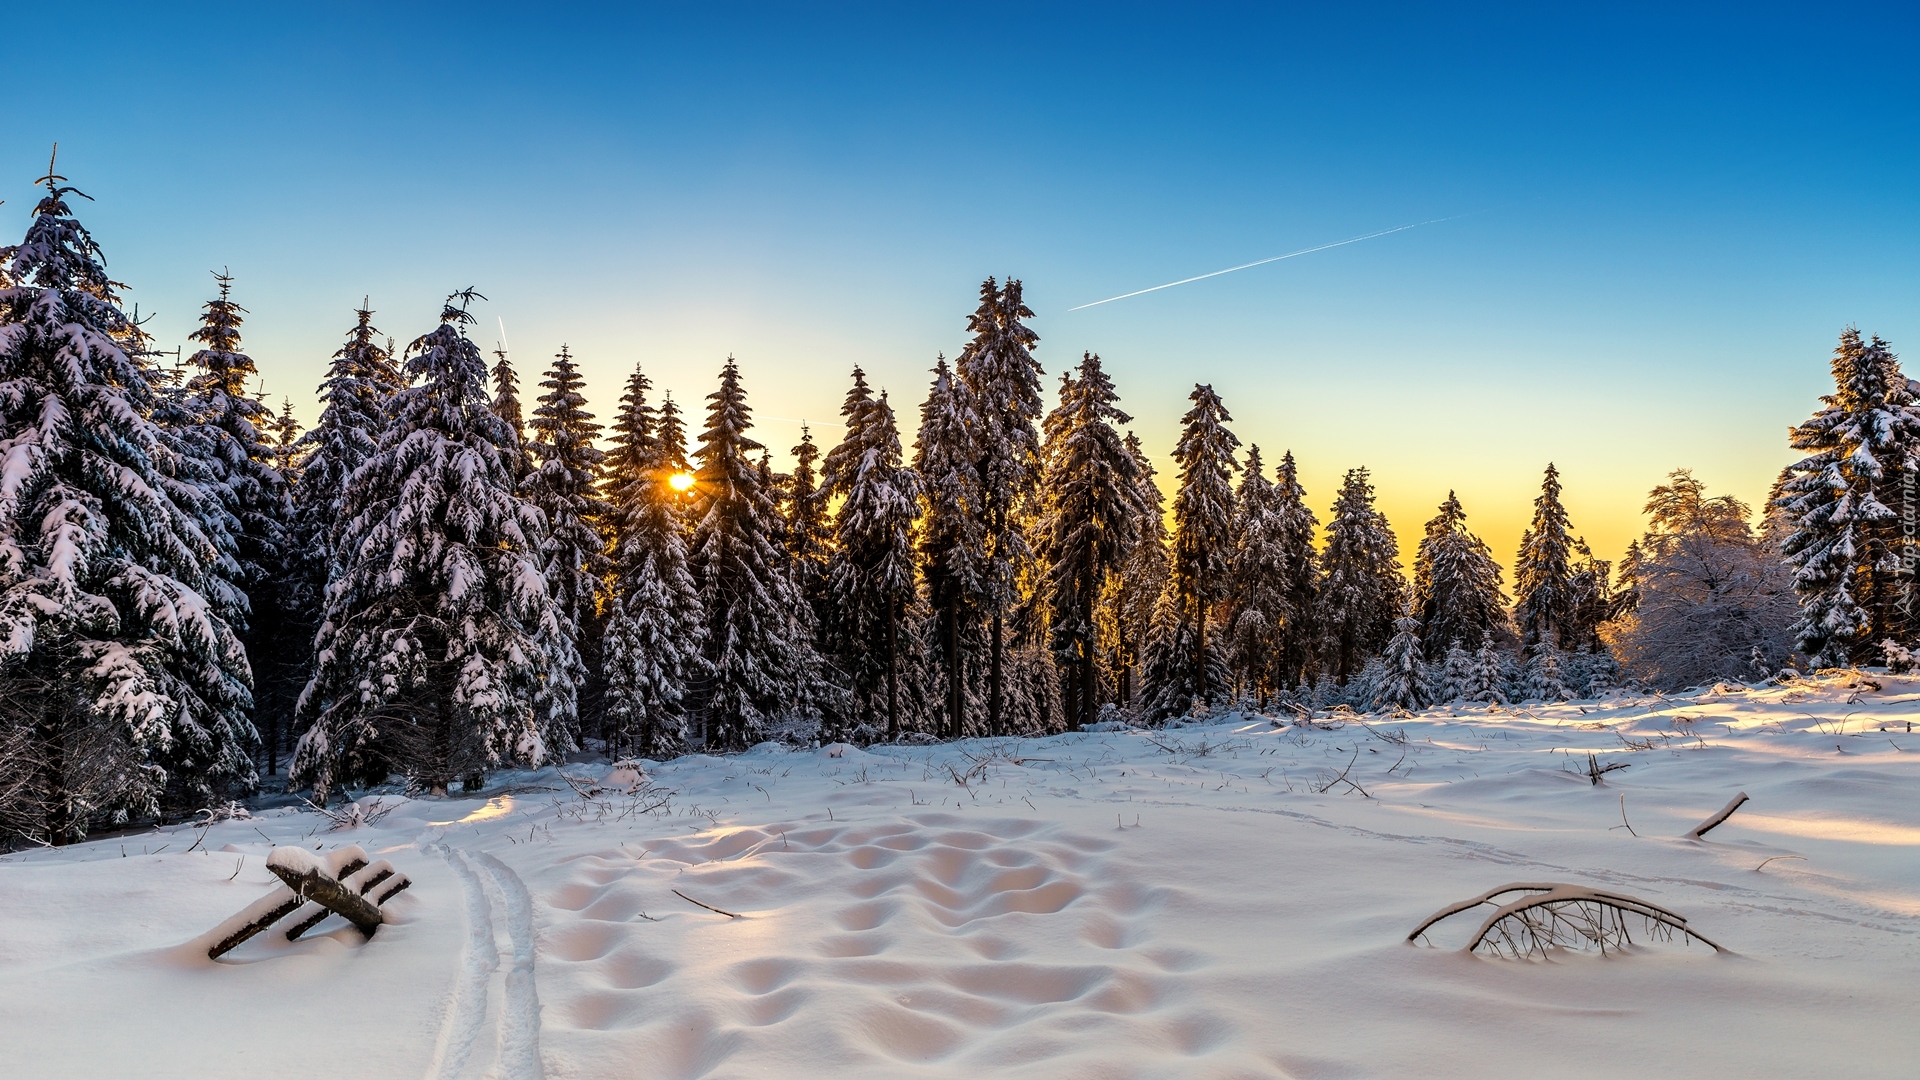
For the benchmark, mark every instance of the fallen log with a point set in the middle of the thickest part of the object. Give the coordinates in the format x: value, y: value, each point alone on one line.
x: 310, y: 878
x: 361, y: 879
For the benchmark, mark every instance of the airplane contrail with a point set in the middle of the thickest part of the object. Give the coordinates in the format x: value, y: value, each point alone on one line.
x: 1263, y: 262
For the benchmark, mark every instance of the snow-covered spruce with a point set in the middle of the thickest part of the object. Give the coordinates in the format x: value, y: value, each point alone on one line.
x: 1360, y: 584
x: 429, y: 658
x: 1257, y: 612
x: 1003, y: 386
x: 1091, y: 522
x: 1402, y: 682
x: 122, y: 679
x: 950, y: 544
x: 1852, y: 562
x: 809, y: 539
x: 360, y: 381
x: 655, y: 623
x: 760, y: 654
x: 1128, y: 606
x: 870, y: 573
x: 562, y: 486
x: 1294, y: 528
x: 228, y: 435
x: 1185, y: 664
x: 1457, y: 591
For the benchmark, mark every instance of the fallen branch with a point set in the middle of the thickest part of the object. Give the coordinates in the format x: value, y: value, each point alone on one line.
x: 1726, y: 812
x: 1764, y: 862
x: 1554, y: 915
x: 697, y: 903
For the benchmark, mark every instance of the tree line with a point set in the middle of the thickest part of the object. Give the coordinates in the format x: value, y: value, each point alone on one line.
x: 435, y: 581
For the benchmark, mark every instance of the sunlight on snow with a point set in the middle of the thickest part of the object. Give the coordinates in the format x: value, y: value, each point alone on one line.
x: 498, y: 806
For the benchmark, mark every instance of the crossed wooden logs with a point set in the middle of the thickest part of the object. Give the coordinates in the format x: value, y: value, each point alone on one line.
x: 337, y: 883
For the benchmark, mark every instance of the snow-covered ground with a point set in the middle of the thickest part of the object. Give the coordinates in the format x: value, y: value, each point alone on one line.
x: 1180, y: 903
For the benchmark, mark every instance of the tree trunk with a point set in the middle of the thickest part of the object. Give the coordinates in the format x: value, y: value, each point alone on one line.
x: 893, y: 669
x: 1089, y: 691
x: 1070, y: 693
x: 993, y: 676
x: 1200, y: 632
x: 956, y: 697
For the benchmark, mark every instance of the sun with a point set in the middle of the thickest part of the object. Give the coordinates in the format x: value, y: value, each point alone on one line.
x: 680, y: 481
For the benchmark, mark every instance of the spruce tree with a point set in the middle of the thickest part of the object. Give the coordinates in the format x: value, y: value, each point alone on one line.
x: 870, y: 574
x: 1456, y: 675
x: 760, y: 654
x: 655, y: 624
x: 951, y: 544
x: 1487, y: 679
x: 1194, y: 669
x: 122, y: 676
x: 1544, y: 678
x: 230, y: 433
x: 431, y: 652
x: 1091, y: 523
x: 506, y: 405
x: 1258, y: 609
x: 1457, y: 593
x: 1134, y: 592
x: 574, y: 549
x: 1361, y: 588
x: 1294, y: 527
x: 1402, y: 681
x: 1003, y: 385
x: 360, y: 380
x: 809, y: 530
x: 1851, y: 550
x: 1543, y: 571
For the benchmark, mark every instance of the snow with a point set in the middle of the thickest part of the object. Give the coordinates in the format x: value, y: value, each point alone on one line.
x: 1120, y: 903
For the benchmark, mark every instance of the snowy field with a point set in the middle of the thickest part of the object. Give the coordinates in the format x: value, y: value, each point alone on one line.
x: 1178, y: 903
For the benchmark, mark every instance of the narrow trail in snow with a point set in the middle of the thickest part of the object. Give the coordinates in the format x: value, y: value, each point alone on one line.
x: 467, y: 1013
x: 519, y: 1033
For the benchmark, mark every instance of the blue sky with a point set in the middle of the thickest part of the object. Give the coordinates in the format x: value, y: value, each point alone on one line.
x: 1674, y: 210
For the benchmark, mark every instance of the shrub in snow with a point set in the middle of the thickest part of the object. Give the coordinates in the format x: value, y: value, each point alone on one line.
x: 1709, y: 599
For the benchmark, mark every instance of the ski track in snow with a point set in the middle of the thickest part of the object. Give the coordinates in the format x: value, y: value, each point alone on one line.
x: 467, y: 1010
x: 519, y: 1033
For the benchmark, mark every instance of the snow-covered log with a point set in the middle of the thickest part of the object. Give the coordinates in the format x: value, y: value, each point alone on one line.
x: 311, y: 880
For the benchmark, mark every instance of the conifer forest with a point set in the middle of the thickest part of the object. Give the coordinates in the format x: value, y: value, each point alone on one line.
x: 466, y: 566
